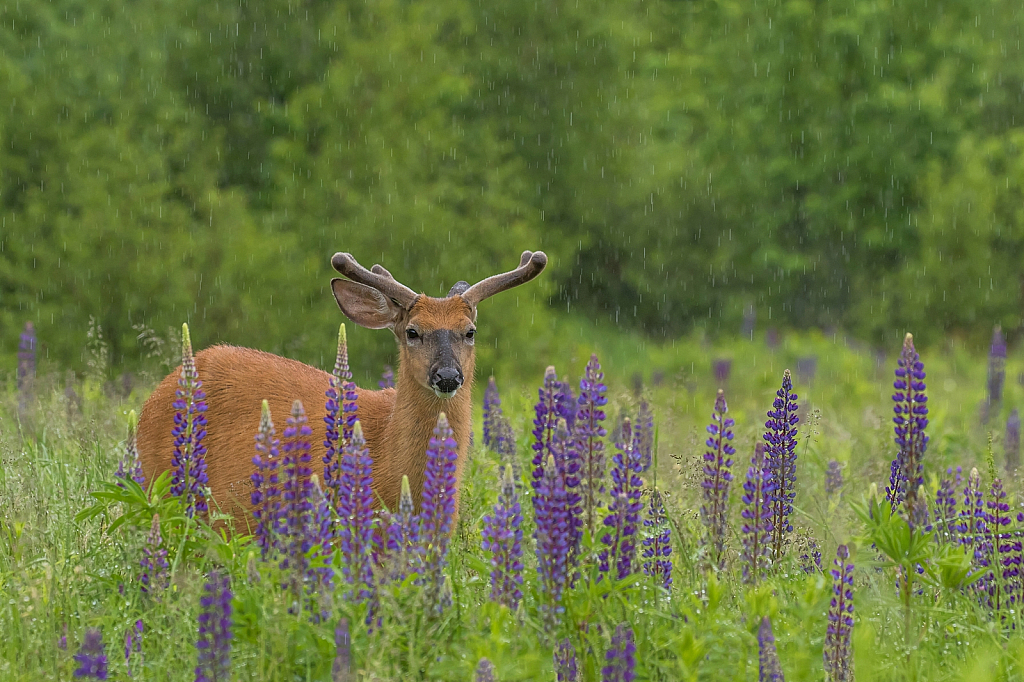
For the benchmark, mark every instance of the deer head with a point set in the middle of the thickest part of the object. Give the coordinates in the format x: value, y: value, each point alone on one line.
x: 435, y: 336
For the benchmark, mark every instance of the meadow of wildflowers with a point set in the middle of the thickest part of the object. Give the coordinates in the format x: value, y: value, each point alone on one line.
x: 657, y: 544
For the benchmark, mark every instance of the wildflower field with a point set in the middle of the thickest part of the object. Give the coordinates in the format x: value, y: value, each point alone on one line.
x: 798, y: 508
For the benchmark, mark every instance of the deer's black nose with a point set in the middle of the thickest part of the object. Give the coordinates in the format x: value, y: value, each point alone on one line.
x: 447, y: 379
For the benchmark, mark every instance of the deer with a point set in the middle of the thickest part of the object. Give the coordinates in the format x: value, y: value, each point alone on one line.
x: 436, y: 350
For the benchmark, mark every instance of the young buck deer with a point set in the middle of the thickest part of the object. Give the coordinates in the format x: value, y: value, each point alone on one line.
x: 435, y: 374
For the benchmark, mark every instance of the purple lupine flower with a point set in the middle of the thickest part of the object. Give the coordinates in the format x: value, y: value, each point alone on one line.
x: 1003, y: 551
x: 132, y: 643
x: 492, y: 410
x: 544, y: 423
x: 771, y: 338
x: 484, y: 671
x: 946, y: 506
x: 971, y: 526
x: 807, y: 368
x: 387, y: 378
x: 621, y: 657
x: 266, y: 491
x: 26, y: 365
x: 833, y: 478
x: 810, y: 560
x: 769, y: 666
x: 623, y: 516
x: 403, y: 536
x: 214, y: 643
x: 565, y: 403
x: 780, y: 458
x: 437, y: 508
x: 996, y: 373
x: 340, y: 418
x: 911, y: 418
x: 717, y: 476
x: 840, y: 620
x: 644, y: 434
x: 188, y: 478
x: 563, y: 447
x: 917, y: 512
x: 553, y: 538
x: 566, y: 668
x: 91, y: 660
x: 355, y: 507
x: 757, y: 517
x: 657, y: 546
x: 341, y: 669
x: 130, y: 465
x: 62, y: 643
x: 154, y: 560
x: 722, y: 368
x: 505, y: 445
x: 295, y: 516
x: 1011, y: 443
x: 588, y: 432
x: 322, y: 533
x: 503, y: 537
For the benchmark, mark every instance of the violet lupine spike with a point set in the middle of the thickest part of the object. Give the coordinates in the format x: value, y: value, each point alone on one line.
x: 132, y: 644
x: 810, y: 560
x: 565, y: 403
x: 1003, y: 552
x: 971, y: 526
x: 492, y: 411
x: 946, y: 516
x: 780, y: 458
x: 714, y: 511
x: 836, y: 651
x: 722, y: 368
x: 769, y: 666
x: 387, y: 378
x: 623, y: 517
x: 266, y: 490
x: 552, y: 533
x: 588, y: 432
x: 503, y: 540
x: 757, y: 518
x: 620, y: 658
x: 154, y: 564
x: 91, y: 659
x: 322, y: 533
x: 833, y: 478
x: 644, y: 434
x: 996, y: 373
x: 484, y: 671
x: 355, y: 508
x: 346, y: 387
x: 333, y: 419
x: 341, y: 669
x: 544, y: 423
x: 214, y: 642
x: 295, y: 516
x: 1011, y: 443
x: 26, y: 365
x: 505, y: 446
x: 403, y: 536
x: 566, y: 668
x: 567, y: 460
x: 437, y: 507
x: 657, y: 546
x: 130, y: 465
x: 188, y: 477
x: 910, y: 420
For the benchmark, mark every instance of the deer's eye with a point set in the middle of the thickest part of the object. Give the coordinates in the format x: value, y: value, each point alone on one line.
x: 471, y: 333
x: 411, y: 333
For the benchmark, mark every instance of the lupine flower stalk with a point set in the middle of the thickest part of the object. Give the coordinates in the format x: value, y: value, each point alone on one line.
x: 717, y: 476
x: 387, y: 378
x: 132, y: 644
x: 26, y: 365
x: 492, y: 411
x: 91, y: 659
x: 341, y: 409
x: 129, y: 465
x: 214, y: 643
x: 623, y: 517
x: 355, y: 508
x: 833, y: 478
x: 722, y: 368
x: 1011, y: 443
x: 544, y: 423
x: 971, y: 528
x: 566, y: 668
x: 780, y: 457
x: 295, y: 517
x: 484, y: 671
x: 840, y: 620
x: 757, y: 517
x: 403, y: 536
x: 505, y: 445
x: 946, y: 517
x: 911, y: 419
x: 644, y: 434
x: 437, y: 509
x: 188, y: 477
x: 588, y: 431
x: 996, y: 373
x: 154, y: 564
x: 1003, y: 548
x: 810, y: 559
x: 341, y: 669
x: 502, y: 538
x: 657, y: 546
x: 620, y: 659
x: 769, y: 666
x: 563, y: 448
x: 553, y: 538
x: 565, y: 403
x: 266, y: 491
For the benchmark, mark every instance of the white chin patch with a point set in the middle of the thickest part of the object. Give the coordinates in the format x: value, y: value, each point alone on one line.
x: 446, y: 396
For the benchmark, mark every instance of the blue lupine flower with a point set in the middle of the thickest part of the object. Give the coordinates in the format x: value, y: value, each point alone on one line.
x: 130, y: 465
x: 154, y: 560
x: 484, y: 671
x: 588, y: 432
x: 717, y: 477
x: 643, y: 433
x: 505, y: 445
x: 355, y: 507
x: 757, y: 517
x: 341, y: 669
x: 266, y: 491
x: 492, y: 410
x: 91, y: 660
x: 946, y: 517
x: 544, y: 423
x: 566, y: 668
x: 623, y: 517
x: 996, y: 373
x: 780, y: 457
x: 553, y: 538
x: 341, y: 413
x: 387, y: 378
x: 188, y: 473
x: 437, y: 509
x: 840, y: 620
x: 833, y: 478
x: 621, y: 657
x: 295, y: 516
x: 971, y: 527
x: 911, y: 419
x: 565, y: 403
x: 214, y: 643
x: 26, y: 365
x: 657, y: 546
x: 722, y: 368
x: 403, y: 536
x: 502, y: 538
x: 1003, y: 555
x: 769, y: 666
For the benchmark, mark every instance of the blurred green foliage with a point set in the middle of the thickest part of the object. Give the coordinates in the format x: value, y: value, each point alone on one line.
x: 851, y: 164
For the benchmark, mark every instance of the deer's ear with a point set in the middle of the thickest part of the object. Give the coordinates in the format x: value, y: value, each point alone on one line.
x: 364, y: 305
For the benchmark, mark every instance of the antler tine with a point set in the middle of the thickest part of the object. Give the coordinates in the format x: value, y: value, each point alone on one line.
x: 383, y: 282
x: 530, y: 265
